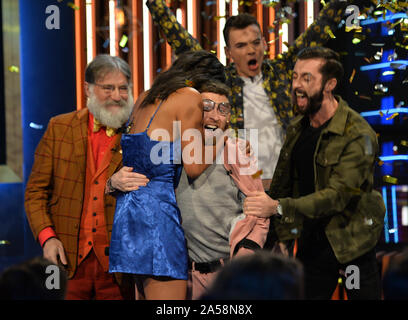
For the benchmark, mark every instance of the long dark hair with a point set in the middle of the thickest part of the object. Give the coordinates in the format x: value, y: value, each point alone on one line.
x: 191, y: 69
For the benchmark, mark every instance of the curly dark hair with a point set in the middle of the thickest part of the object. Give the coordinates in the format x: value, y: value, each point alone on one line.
x: 191, y: 69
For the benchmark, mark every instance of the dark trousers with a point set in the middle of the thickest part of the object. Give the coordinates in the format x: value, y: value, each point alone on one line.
x: 322, y: 271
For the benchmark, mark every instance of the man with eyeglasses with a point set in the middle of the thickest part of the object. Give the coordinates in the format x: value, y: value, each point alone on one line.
x: 65, y: 200
x: 211, y: 206
x: 259, y: 87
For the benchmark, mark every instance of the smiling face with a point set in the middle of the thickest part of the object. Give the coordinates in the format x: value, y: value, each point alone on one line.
x: 307, y: 86
x: 213, y: 121
x: 246, y: 49
x: 108, y: 99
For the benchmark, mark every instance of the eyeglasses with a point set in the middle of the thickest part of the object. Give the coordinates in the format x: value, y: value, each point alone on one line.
x: 109, y: 88
x: 223, y: 108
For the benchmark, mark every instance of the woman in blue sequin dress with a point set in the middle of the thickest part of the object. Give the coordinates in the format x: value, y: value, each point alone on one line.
x: 147, y: 238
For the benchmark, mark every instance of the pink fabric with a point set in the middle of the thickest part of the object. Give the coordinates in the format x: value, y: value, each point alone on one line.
x: 198, y: 283
x: 242, y: 169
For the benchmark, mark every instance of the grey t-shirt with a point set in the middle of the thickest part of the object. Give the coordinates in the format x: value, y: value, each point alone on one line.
x: 208, y: 208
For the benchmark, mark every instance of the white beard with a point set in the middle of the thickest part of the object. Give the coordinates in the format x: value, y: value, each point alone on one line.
x: 106, y: 117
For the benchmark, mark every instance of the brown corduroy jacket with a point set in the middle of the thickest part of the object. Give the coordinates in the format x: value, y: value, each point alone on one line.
x: 54, y: 193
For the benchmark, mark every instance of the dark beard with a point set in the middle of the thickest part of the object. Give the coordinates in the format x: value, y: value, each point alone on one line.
x: 314, y: 103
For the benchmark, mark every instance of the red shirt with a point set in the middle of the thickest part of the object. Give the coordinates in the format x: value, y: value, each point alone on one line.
x: 93, y: 233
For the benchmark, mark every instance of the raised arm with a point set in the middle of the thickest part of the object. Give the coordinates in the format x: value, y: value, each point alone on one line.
x: 317, y: 34
x: 177, y: 36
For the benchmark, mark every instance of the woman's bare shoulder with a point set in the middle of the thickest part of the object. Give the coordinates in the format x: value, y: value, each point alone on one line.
x: 186, y: 98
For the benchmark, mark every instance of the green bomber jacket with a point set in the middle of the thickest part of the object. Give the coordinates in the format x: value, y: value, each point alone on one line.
x: 344, y: 162
x: 276, y: 73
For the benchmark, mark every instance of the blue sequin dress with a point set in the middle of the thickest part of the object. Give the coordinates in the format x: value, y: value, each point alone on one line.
x: 147, y: 237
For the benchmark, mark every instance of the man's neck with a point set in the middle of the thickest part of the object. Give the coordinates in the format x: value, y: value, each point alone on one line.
x: 326, y: 112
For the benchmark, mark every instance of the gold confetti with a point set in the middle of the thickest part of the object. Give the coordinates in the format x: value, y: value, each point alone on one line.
x: 219, y: 18
x: 388, y: 73
x: 381, y: 114
x: 352, y: 75
x: 380, y: 163
x: 257, y: 174
x: 72, y: 5
x: 14, y: 69
x: 354, y: 27
x: 189, y: 83
x: 392, y: 116
x: 390, y: 179
x: 4, y: 242
x: 123, y: 41
x: 404, y: 143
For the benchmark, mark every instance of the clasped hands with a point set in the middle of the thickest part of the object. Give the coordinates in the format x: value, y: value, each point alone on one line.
x: 258, y: 203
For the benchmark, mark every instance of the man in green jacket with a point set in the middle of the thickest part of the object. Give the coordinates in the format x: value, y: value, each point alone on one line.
x: 259, y: 87
x: 322, y: 190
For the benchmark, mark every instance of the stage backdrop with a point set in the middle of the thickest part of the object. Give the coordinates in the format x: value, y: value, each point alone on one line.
x: 47, y: 78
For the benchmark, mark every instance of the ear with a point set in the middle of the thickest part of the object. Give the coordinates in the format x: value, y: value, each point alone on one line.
x: 227, y: 53
x: 87, y: 91
x: 265, y: 45
x: 331, y: 85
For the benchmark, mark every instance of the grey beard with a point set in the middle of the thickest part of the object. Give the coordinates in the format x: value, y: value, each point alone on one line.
x: 107, y: 118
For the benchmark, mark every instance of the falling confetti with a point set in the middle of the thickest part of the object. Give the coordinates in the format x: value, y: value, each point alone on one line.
x: 72, y: 5
x: 352, y: 75
x: 14, y: 69
x: 388, y: 73
x: 392, y: 116
x: 389, y: 179
x: 123, y: 41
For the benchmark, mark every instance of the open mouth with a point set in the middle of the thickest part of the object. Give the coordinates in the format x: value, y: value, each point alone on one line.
x: 300, y: 94
x: 252, y: 64
x: 301, y: 98
x: 210, y: 127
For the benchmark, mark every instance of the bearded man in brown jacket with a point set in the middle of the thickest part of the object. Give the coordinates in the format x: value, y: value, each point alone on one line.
x: 65, y: 200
